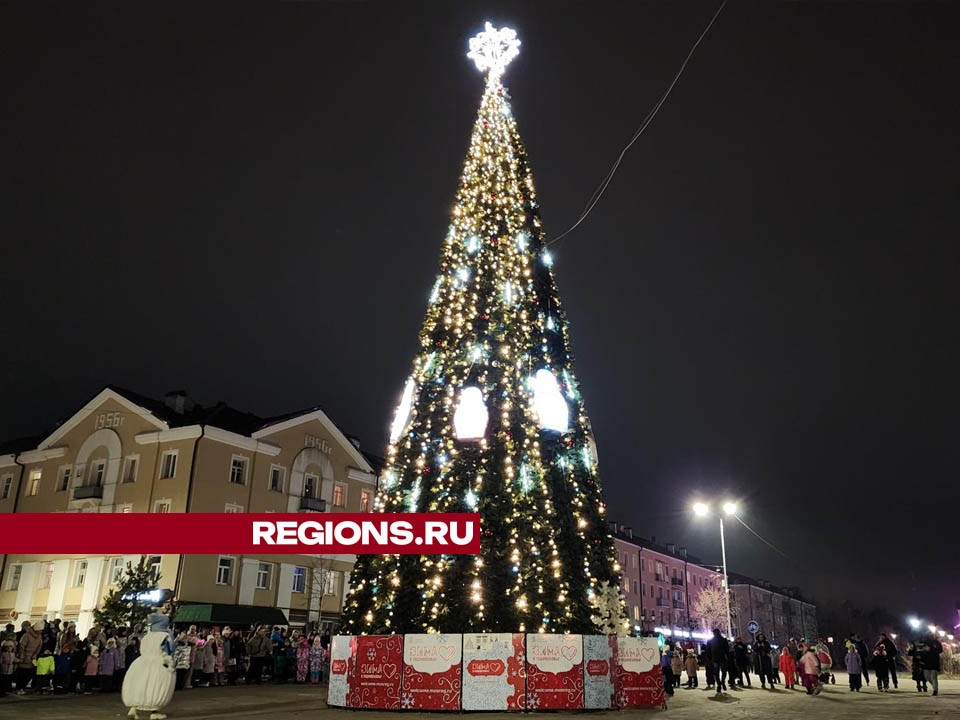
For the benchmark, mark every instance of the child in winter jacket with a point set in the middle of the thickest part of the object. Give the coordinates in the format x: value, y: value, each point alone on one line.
x: 788, y: 666
x: 109, y: 664
x: 316, y: 661
x: 91, y: 669
x: 182, y: 662
x: 810, y: 670
x: 881, y: 666
x: 691, y: 668
x: 854, y: 668
x: 8, y: 663
x: 45, y: 668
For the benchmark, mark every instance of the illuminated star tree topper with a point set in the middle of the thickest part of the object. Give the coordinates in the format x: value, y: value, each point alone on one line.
x: 493, y: 49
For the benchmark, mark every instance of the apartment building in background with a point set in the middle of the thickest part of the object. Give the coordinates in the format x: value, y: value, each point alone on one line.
x: 780, y: 613
x: 123, y: 452
x: 660, y: 582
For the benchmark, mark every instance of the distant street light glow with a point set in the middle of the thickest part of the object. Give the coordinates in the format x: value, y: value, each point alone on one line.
x: 913, y: 622
x: 730, y: 508
x: 700, y: 509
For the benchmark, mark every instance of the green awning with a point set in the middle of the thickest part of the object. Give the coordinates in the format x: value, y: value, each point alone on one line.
x: 230, y: 615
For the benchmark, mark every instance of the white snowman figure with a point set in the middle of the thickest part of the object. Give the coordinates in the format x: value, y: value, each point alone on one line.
x: 150, y: 679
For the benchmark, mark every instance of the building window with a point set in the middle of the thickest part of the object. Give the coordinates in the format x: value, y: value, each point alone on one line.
x: 636, y: 613
x: 15, y: 572
x: 310, y: 485
x: 99, y: 470
x: 64, y: 482
x: 225, y: 571
x: 47, y: 577
x: 153, y: 562
x: 162, y: 506
x: 364, y: 501
x: 33, y: 486
x: 276, y: 478
x: 634, y: 587
x: 125, y: 508
x: 299, y: 579
x: 339, y: 495
x: 643, y: 565
x: 659, y: 572
x: 331, y: 582
x: 80, y: 573
x: 5, y: 487
x: 168, y: 465
x: 116, y: 570
x: 233, y: 508
x: 643, y: 589
x: 238, y: 470
x: 130, y: 468
x: 264, y: 571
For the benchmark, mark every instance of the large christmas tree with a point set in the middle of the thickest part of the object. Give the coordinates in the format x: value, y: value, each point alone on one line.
x: 492, y: 420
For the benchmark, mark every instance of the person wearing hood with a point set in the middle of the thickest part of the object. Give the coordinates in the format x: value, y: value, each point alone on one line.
x: 852, y: 662
x: 881, y: 667
x: 30, y: 645
x: 317, y: 654
x: 8, y: 661
x: 109, y: 664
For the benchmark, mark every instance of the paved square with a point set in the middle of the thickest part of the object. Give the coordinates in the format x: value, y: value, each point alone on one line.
x: 289, y: 702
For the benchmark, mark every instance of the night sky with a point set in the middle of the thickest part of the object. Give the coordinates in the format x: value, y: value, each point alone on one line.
x: 249, y: 204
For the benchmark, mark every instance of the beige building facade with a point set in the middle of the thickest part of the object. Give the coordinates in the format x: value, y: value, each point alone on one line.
x: 123, y: 452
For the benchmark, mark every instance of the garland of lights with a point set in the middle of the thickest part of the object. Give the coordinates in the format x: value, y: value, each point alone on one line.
x: 491, y: 418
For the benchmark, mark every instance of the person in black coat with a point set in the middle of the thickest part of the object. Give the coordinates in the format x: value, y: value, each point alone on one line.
x: 720, y: 652
x: 762, y: 650
x: 930, y: 651
x: 741, y: 655
x: 865, y: 657
x: 892, y: 654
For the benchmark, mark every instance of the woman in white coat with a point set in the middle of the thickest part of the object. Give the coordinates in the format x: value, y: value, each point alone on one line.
x: 149, y: 682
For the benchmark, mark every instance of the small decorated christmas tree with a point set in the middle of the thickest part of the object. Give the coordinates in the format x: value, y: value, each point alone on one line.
x: 492, y: 420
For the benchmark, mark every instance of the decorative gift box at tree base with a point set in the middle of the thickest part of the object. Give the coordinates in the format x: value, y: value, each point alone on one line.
x: 494, y: 671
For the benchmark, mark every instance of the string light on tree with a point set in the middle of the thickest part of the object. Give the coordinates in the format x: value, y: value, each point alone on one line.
x: 496, y: 422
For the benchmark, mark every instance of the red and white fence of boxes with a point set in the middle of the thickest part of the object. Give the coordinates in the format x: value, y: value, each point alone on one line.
x: 494, y: 671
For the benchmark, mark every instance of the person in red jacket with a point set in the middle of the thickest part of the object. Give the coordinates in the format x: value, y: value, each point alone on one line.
x: 788, y: 666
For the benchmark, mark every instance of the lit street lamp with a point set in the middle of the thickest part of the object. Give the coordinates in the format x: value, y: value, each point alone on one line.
x: 914, y: 623
x: 701, y: 509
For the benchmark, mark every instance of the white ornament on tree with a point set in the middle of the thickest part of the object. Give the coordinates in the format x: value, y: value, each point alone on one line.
x: 470, y: 419
x: 548, y: 402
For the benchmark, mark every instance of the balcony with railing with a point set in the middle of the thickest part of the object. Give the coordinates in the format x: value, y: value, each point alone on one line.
x: 310, y: 504
x: 87, y: 491
x: 660, y: 577
x: 676, y: 581
x: 678, y: 604
x: 663, y: 602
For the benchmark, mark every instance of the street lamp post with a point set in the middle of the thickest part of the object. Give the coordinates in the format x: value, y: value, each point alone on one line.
x: 729, y: 508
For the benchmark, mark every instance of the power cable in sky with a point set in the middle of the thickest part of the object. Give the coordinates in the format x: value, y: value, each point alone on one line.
x: 598, y: 193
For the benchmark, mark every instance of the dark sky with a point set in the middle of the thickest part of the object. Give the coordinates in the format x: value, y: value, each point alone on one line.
x: 249, y: 204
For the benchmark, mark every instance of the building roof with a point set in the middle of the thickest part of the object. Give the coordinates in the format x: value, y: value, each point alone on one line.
x: 791, y: 592
x: 627, y: 535
x: 177, y: 410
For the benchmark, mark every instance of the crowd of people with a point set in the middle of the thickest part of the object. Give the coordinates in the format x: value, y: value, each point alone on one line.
x: 51, y: 657
x: 798, y: 662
